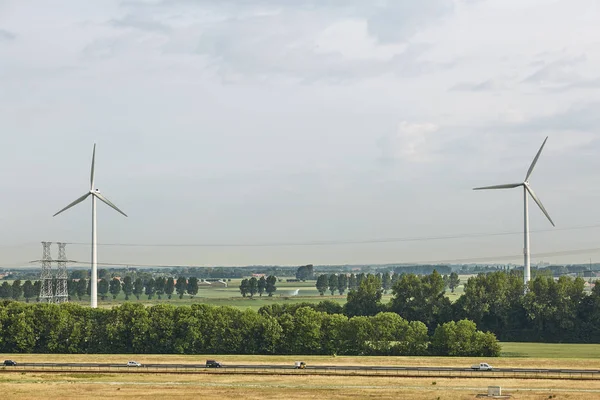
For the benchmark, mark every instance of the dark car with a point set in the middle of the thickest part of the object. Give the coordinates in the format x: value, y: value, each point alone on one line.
x: 10, y: 362
x: 213, y: 364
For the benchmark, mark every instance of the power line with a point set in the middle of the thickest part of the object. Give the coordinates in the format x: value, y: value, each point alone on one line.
x: 431, y: 262
x: 340, y: 242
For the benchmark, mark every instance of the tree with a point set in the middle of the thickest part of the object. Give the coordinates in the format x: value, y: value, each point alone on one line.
x: 494, y: 301
x: 386, y: 282
x: 115, y: 287
x: 421, y: 298
x: 79, y: 274
x: 352, y: 284
x: 103, y: 288
x: 138, y: 288
x: 252, y: 286
x: 81, y: 288
x: 333, y: 283
x: 271, y: 282
x: 453, y: 281
x: 127, y: 287
x: 365, y: 301
x: 180, y: 286
x: 160, y: 283
x: 262, y: 284
x: 192, y: 286
x: 462, y: 339
x: 329, y: 307
x: 37, y: 288
x: 170, y: 287
x: 359, y: 279
x: 305, y: 272
x: 551, y: 307
x: 17, y: 290
x: 244, y: 287
x: 322, y: 284
x: 342, y: 283
x: 150, y: 288
x: 71, y: 288
x: 5, y: 290
x: 28, y: 290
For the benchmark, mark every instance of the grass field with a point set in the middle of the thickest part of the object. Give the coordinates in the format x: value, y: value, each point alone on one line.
x: 551, y: 350
x: 43, y: 385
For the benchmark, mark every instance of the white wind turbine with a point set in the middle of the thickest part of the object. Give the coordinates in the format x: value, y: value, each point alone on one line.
x: 95, y: 194
x: 526, y: 189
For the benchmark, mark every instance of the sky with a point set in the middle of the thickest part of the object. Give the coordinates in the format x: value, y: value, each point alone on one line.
x: 265, y: 130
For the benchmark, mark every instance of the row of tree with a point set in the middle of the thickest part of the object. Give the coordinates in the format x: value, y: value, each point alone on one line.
x: 29, y: 290
x: 343, y: 282
x: 249, y: 287
x: 205, y: 329
x: 77, y: 288
x: 151, y: 287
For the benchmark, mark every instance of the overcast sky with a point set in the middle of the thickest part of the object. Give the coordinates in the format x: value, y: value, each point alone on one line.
x: 263, y: 122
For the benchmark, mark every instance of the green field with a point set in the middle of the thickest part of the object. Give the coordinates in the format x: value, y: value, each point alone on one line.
x: 551, y: 350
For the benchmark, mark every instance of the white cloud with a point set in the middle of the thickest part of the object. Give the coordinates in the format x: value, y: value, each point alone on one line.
x: 410, y: 143
x: 351, y: 39
x: 485, y: 86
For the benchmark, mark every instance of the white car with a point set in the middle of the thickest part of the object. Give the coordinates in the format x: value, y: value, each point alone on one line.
x: 482, y: 367
x: 133, y: 364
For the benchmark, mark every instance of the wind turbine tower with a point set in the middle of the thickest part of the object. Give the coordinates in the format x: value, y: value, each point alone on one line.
x: 527, y: 190
x: 95, y: 193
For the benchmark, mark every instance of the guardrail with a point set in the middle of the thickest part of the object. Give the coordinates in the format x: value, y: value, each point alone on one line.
x: 409, y: 372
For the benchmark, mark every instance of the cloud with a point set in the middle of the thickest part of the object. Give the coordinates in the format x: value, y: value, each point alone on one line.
x: 328, y: 41
x: 6, y: 35
x: 485, y: 86
x: 409, y: 143
x: 578, y: 117
x: 268, y: 47
x: 393, y: 21
x: 388, y: 20
x: 561, y: 74
x: 143, y: 24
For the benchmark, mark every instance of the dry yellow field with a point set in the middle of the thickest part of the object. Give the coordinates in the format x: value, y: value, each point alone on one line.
x: 500, y: 362
x: 46, y: 385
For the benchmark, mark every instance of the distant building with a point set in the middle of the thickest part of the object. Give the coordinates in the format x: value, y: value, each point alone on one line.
x: 219, y: 284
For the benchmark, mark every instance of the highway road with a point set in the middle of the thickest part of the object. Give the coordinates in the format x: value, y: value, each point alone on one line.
x: 320, y: 368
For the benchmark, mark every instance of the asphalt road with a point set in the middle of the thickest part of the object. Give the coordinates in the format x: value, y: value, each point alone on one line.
x: 308, y: 367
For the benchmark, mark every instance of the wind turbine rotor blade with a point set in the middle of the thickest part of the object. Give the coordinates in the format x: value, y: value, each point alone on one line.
x: 92, y: 172
x: 506, y: 186
x: 535, y: 160
x: 539, y: 203
x: 79, y: 200
x: 108, y: 202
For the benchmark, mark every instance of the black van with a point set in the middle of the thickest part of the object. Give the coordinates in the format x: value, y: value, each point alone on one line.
x: 212, y: 364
